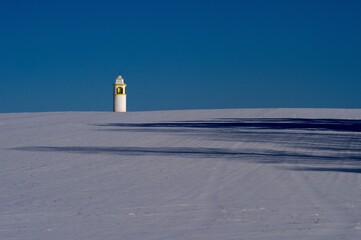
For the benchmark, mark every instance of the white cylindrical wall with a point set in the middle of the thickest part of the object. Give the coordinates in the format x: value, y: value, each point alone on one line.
x: 120, y: 96
x: 120, y: 103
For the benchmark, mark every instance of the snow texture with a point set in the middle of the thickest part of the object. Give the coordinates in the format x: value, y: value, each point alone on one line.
x: 201, y: 174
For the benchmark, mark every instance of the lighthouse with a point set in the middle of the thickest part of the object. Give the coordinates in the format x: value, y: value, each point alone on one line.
x: 120, y: 96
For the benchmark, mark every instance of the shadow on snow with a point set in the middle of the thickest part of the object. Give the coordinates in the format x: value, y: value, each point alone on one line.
x: 302, y: 141
x: 259, y: 123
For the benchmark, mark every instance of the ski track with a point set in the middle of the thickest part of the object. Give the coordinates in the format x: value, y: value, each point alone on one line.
x: 192, y: 174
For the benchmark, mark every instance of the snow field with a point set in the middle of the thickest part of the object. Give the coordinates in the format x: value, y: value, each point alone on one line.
x: 200, y: 174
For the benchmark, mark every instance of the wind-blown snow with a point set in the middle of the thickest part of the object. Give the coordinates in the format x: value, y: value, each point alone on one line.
x: 202, y: 174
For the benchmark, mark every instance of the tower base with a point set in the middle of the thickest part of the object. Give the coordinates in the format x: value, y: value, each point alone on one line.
x: 120, y: 103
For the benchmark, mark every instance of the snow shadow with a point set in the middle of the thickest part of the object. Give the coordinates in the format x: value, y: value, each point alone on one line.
x: 257, y: 155
x: 314, y: 142
x: 318, y: 140
x: 327, y: 169
x: 305, y: 141
x: 343, y: 125
x: 315, y: 134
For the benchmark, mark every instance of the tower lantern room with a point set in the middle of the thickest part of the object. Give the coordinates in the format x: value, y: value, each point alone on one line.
x: 120, y: 96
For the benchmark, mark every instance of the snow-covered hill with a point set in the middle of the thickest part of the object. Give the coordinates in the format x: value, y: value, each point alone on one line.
x: 201, y: 174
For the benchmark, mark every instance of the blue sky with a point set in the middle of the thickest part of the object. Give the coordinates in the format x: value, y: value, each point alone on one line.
x: 65, y: 55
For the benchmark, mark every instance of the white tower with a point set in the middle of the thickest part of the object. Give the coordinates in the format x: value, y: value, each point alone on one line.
x: 120, y: 96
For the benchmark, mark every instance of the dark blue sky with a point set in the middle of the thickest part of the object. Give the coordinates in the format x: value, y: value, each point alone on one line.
x: 65, y: 55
